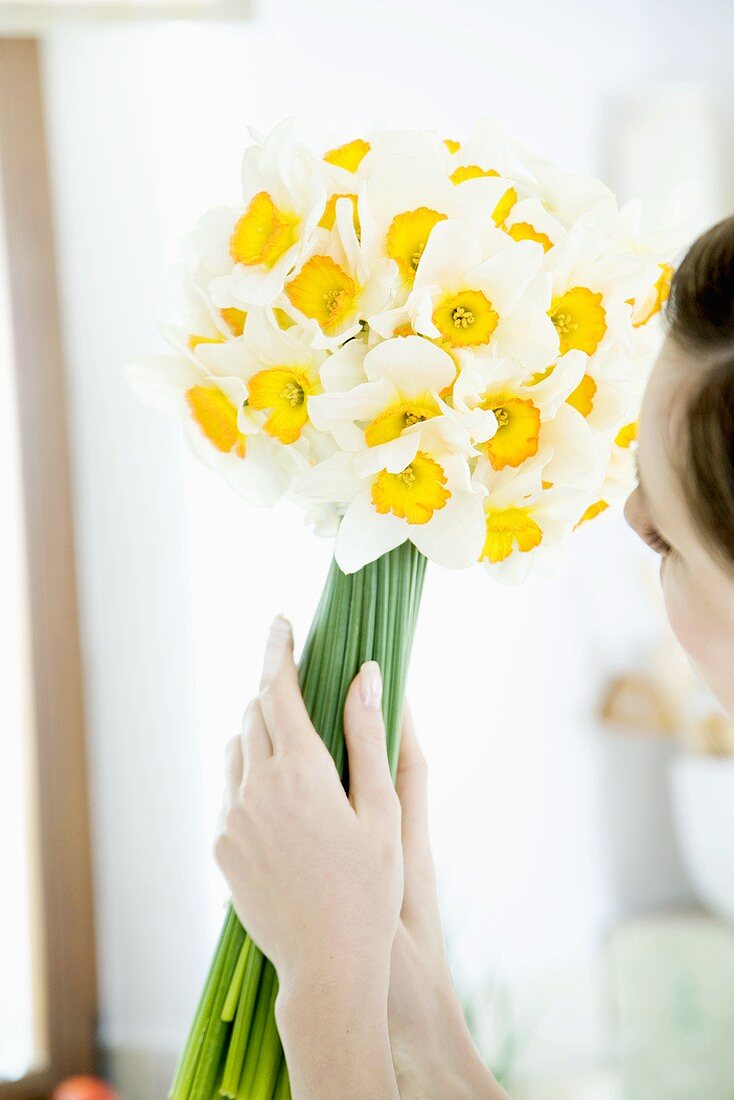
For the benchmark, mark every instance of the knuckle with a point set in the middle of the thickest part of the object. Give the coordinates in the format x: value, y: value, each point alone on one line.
x: 268, y: 696
x: 221, y: 850
x: 235, y: 818
x: 250, y: 715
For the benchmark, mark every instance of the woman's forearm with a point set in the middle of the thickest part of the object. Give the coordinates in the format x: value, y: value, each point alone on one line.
x: 335, y: 1037
x: 438, y: 1060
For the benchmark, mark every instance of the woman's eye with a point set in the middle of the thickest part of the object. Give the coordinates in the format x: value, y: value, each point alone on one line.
x: 656, y: 542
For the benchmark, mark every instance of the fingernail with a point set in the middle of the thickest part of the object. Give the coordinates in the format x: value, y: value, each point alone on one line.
x: 370, y: 685
x: 280, y: 637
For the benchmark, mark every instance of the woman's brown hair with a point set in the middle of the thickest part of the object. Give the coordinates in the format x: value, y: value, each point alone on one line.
x: 700, y: 316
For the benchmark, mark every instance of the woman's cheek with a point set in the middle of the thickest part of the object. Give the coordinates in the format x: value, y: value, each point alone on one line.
x: 703, y: 623
x: 687, y: 613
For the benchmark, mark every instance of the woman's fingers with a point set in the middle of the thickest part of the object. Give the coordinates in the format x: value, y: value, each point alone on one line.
x: 254, y: 739
x: 281, y: 702
x: 370, y: 782
x: 233, y: 766
x: 411, y: 783
x: 412, y: 788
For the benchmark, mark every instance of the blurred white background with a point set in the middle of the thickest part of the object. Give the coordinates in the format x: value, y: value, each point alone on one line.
x: 546, y: 829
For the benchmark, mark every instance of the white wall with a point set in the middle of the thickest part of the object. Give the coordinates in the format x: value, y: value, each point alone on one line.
x: 179, y: 579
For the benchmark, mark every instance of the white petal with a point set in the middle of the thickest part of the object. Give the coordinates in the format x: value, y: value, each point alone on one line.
x: 504, y: 276
x: 332, y: 481
x: 528, y: 335
x: 161, y: 380
x: 455, y: 534
x: 393, y: 456
x: 413, y: 364
x: 579, y: 456
x: 345, y: 368
x: 364, y: 402
x: 451, y: 251
x: 365, y: 535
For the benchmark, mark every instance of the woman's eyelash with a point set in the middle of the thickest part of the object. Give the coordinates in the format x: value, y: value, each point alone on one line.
x: 655, y: 541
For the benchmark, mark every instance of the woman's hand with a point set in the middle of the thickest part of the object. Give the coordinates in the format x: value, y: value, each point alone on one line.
x: 316, y: 877
x: 433, y: 1052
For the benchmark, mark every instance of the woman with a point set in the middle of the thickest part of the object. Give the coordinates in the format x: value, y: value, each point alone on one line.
x: 340, y: 893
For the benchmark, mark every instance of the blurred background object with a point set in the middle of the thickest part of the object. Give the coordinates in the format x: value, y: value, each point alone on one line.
x: 562, y: 833
x: 84, y: 1088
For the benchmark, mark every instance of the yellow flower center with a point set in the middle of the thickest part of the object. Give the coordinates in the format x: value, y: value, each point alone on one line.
x: 463, y: 318
x: 407, y: 237
x: 504, y: 206
x: 466, y: 319
x: 263, y: 233
x: 194, y: 340
x: 348, y: 156
x: 583, y: 396
x: 518, y: 430
x: 234, y: 319
x: 394, y: 420
x: 415, y: 493
x: 592, y: 512
x: 323, y: 291
x: 541, y: 375
x: 627, y: 435
x: 580, y: 320
x: 451, y: 145
x: 524, y: 231
x: 216, y: 416
x: 470, y: 172
x: 507, y: 529
x: 657, y: 297
x: 282, y: 391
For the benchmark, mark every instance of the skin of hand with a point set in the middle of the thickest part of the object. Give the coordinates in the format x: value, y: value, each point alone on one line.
x: 317, y: 877
x: 433, y: 1052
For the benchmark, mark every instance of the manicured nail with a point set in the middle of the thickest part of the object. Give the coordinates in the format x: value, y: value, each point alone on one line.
x: 280, y: 638
x: 370, y: 685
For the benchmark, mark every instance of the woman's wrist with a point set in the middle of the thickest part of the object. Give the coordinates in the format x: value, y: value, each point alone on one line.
x: 333, y: 1023
x: 443, y: 1062
x: 334, y: 978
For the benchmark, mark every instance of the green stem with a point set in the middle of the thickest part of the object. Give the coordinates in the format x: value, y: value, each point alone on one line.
x: 233, y: 1049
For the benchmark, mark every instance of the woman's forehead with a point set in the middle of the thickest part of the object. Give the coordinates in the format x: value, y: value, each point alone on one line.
x: 661, y: 435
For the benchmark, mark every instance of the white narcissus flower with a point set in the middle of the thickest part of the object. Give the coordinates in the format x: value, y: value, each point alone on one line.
x: 339, y: 285
x: 430, y: 500
x: 217, y: 424
x: 404, y: 199
x: 593, y: 293
x: 490, y: 151
x: 281, y: 372
x: 529, y: 220
x: 284, y: 195
x: 620, y: 478
x: 496, y: 303
x: 525, y: 519
x: 406, y: 379
x: 526, y: 408
x: 417, y: 337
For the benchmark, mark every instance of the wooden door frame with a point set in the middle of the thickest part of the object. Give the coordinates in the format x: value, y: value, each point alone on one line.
x: 67, y: 927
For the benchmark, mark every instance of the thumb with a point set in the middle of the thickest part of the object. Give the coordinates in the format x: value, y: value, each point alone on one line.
x: 364, y: 732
